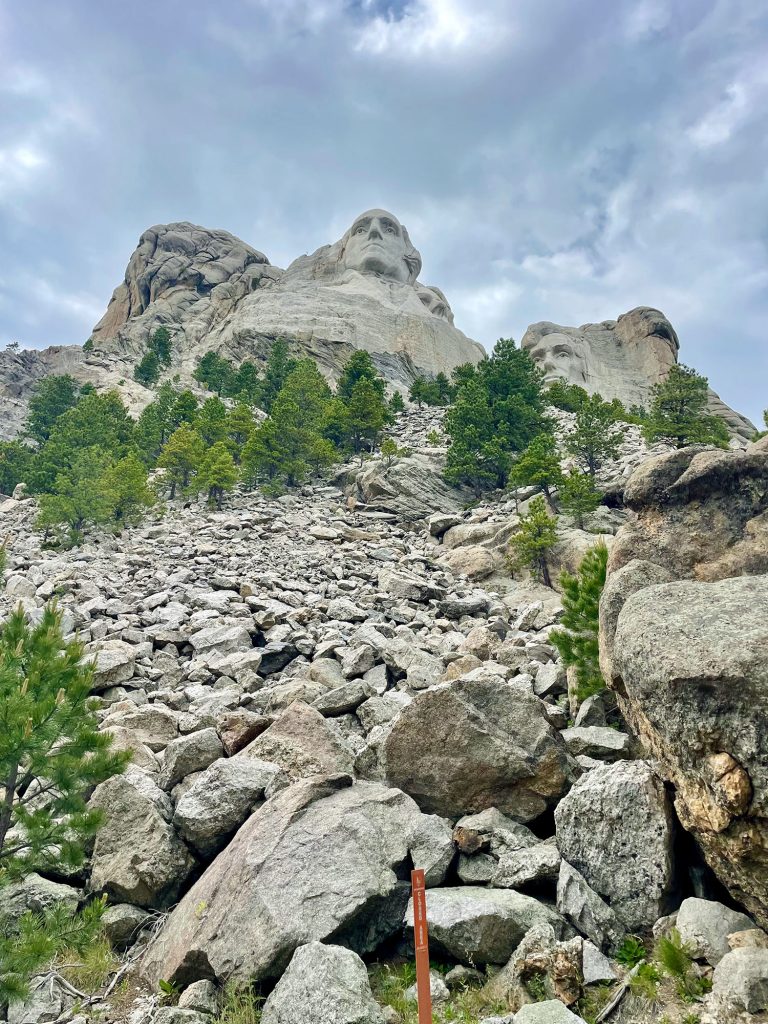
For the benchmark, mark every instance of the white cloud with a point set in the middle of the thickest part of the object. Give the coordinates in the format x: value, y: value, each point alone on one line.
x: 647, y: 18
x: 433, y: 27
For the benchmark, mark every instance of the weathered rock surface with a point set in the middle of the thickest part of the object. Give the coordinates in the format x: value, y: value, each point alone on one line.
x: 318, y: 861
x: 323, y: 984
x: 615, y: 827
x: 468, y: 745
x: 704, y: 925
x: 482, y: 926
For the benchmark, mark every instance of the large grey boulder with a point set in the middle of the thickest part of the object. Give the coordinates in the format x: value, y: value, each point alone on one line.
x: 37, y: 894
x: 482, y: 926
x: 551, y: 1011
x: 690, y: 664
x: 321, y: 860
x: 302, y: 743
x: 615, y: 827
x: 740, y: 980
x: 585, y: 910
x: 705, y: 925
x: 468, y: 745
x: 137, y: 856
x: 220, y: 799
x: 189, y: 754
x: 323, y: 985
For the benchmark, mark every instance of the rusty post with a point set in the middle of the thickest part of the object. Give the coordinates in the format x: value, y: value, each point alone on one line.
x: 421, y: 943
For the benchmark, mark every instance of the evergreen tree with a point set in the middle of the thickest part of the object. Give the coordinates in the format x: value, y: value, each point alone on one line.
x: 538, y: 466
x: 52, y: 754
x: 578, y: 496
x: 245, y: 385
x: 366, y: 416
x: 678, y: 411
x: 577, y: 641
x: 160, y: 344
x: 396, y: 403
x: 418, y: 391
x: 214, y: 372
x: 596, y: 436
x: 125, y: 483
x: 263, y: 455
x: 184, y: 409
x: 497, y: 412
x: 51, y: 398
x: 359, y: 367
x: 218, y: 473
x: 569, y: 397
x: 80, y: 496
x: 390, y: 450
x: 156, y: 423
x: 536, y: 536
x: 211, y: 421
x: 182, y: 457
x: 51, y: 750
x: 147, y: 370
x: 444, y: 389
x: 16, y: 461
x: 279, y: 366
x: 240, y: 426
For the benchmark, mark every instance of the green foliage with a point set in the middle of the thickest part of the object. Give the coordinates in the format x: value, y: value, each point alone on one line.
x: 279, y: 367
x: 218, y: 473
x: 569, y: 397
x: 578, y: 496
x: 596, y: 436
x: 147, y: 370
x: 88, y: 345
x: 498, y: 410
x: 3, y: 560
x: 32, y: 941
x: 431, y: 392
x: 51, y: 398
x: 51, y: 750
x: 160, y: 344
x: 245, y: 385
x: 467, y: 1004
x: 88, y: 965
x: 241, y: 1005
x: 366, y: 415
x: 630, y: 952
x: 129, y: 494
x: 359, y: 367
x: 16, y: 461
x: 434, y: 438
x: 240, y: 426
x: 79, y: 496
x: 678, y: 411
x: 536, y: 986
x: 538, y: 465
x: 645, y: 983
x: 214, y: 372
x: 390, y: 451
x: 577, y: 640
x: 675, y: 958
x: 211, y: 421
x: 595, y: 998
x: 396, y: 403
x: 287, y: 446
x: 533, y: 541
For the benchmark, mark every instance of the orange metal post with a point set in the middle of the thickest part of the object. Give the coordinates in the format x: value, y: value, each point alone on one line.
x: 421, y: 942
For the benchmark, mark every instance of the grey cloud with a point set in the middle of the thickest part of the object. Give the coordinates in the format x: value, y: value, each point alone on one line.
x: 564, y: 166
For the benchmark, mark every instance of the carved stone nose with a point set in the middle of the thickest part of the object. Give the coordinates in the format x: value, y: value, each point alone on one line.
x: 373, y: 232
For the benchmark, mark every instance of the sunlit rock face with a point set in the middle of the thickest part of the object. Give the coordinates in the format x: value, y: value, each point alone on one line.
x: 214, y: 291
x: 621, y: 359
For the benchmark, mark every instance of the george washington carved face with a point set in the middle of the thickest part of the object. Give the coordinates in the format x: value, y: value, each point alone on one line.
x: 377, y: 243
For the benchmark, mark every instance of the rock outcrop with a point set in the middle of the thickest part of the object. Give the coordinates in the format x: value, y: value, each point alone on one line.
x: 620, y: 358
x: 683, y: 639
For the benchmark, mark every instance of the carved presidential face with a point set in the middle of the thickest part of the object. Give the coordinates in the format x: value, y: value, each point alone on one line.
x: 559, y: 355
x: 377, y: 243
x: 435, y: 301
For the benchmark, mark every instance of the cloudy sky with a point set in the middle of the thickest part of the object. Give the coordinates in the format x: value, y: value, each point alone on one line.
x: 560, y: 161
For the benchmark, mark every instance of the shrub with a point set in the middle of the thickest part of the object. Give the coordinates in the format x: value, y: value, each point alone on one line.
x: 536, y: 536
x: 577, y: 641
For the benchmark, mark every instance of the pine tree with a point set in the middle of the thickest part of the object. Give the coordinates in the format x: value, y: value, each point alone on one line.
x: 366, y: 416
x: 279, y: 366
x: 396, y: 403
x: 417, y: 391
x: 52, y: 754
x: 184, y: 409
x: 16, y: 461
x: 245, y: 385
x: 678, y: 411
x: 536, y: 536
x: 240, y: 426
x: 51, y: 398
x: 470, y: 425
x: 596, y: 436
x: 577, y: 641
x: 218, y: 473
x: 182, y: 457
x: 156, y: 423
x: 538, y: 466
x: 211, y: 421
x: 125, y: 482
x: 569, y: 397
x: 214, y: 372
x: 80, y: 496
x: 359, y: 367
x: 263, y: 455
x: 160, y: 344
x: 578, y: 496
x: 390, y: 450
x: 147, y: 370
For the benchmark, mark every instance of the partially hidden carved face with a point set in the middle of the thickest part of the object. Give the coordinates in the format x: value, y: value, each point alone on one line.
x: 377, y: 243
x: 435, y: 301
x: 559, y: 355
